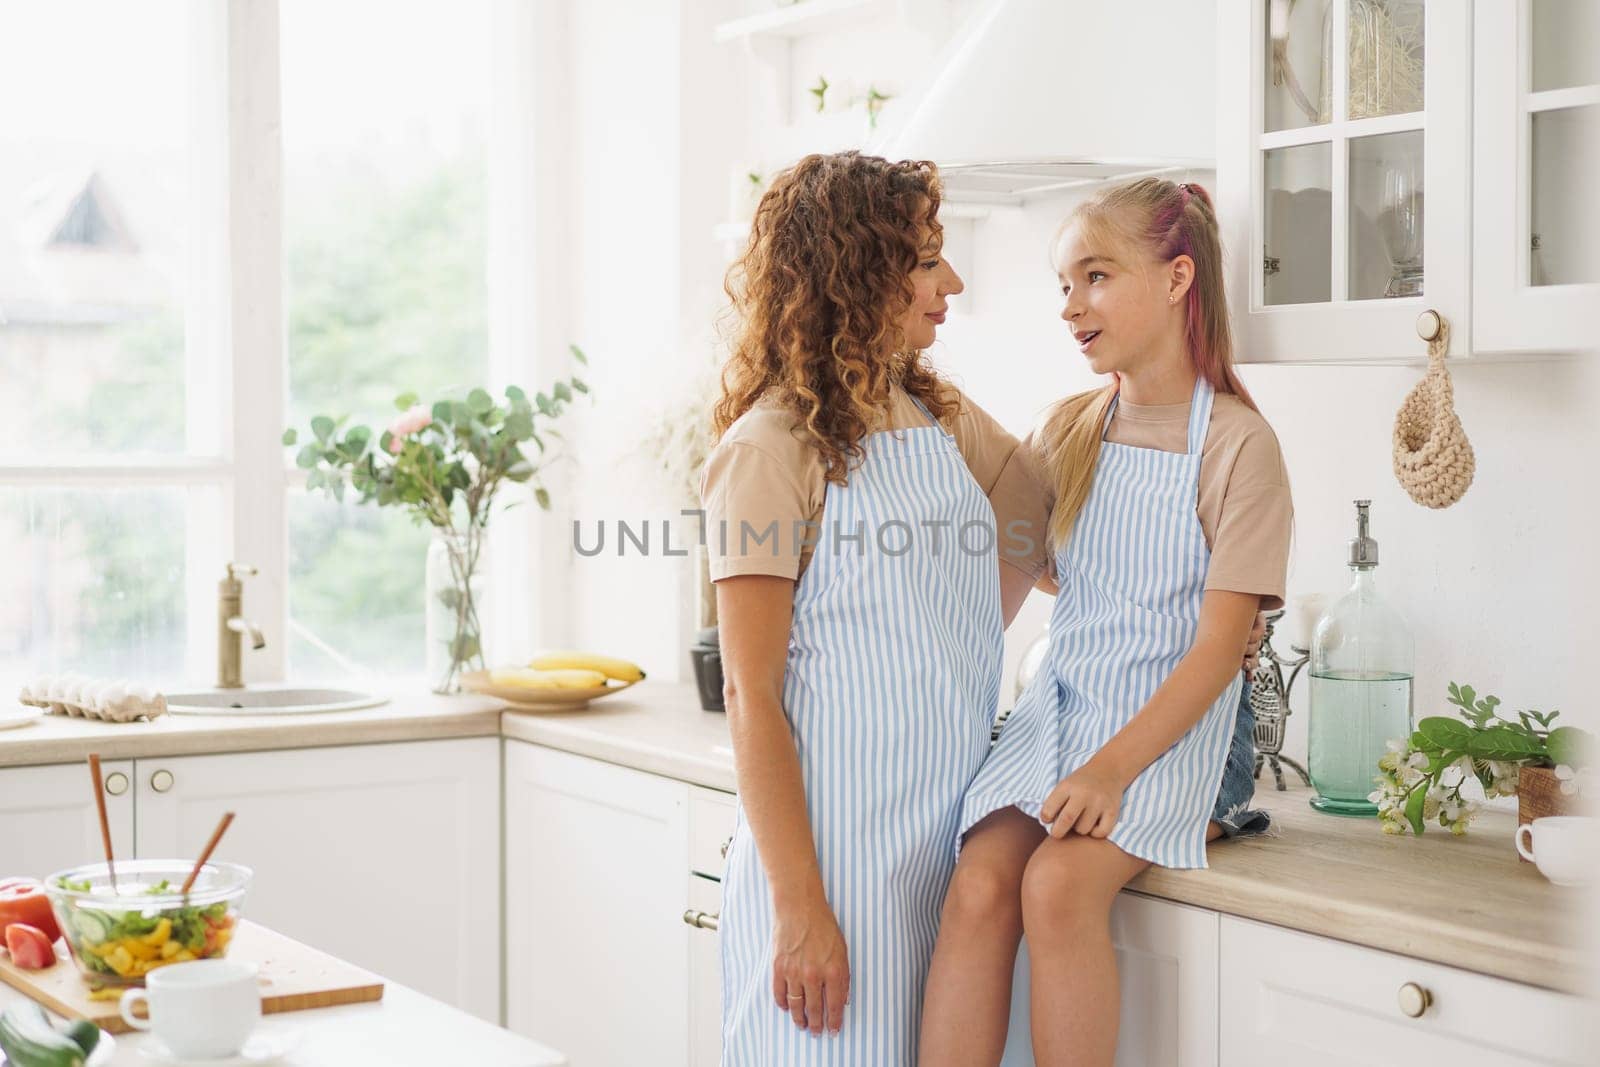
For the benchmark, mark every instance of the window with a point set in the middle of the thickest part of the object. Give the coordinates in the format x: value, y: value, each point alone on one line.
x: 145, y: 453
x: 385, y: 240
x: 96, y: 232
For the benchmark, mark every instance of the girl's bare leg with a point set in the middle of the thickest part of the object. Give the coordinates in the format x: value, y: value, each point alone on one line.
x: 1067, y: 892
x: 968, y: 1001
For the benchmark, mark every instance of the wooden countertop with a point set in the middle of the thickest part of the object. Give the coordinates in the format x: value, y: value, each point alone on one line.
x: 1461, y: 901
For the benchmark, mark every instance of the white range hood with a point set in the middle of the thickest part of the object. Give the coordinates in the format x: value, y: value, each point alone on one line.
x: 1038, y: 96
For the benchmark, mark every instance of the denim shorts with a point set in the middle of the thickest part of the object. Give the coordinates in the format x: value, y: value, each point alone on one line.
x: 1233, y: 812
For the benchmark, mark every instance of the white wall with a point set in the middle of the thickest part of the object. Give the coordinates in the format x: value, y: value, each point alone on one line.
x: 1498, y: 588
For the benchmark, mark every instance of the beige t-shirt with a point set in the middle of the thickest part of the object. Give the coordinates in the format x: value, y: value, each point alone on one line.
x: 1244, y: 506
x: 764, y: 475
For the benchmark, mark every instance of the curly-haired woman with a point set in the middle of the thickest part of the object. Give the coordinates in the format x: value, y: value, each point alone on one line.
x: 856, y: 504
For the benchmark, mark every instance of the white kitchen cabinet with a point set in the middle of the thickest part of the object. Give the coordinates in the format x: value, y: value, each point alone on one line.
x: 598, y: 952
x: 1315, y: 1002
x: 1337, y: 120
x: 712, y: 815
x: 48, y: 820
x: 1536, y: 119
x: 385, y: 855
x: 1167, y: 970
x: 705, y: 972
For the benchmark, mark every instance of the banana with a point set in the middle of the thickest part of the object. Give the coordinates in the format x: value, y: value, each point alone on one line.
x: 522, y: 678
x: 610, y: 666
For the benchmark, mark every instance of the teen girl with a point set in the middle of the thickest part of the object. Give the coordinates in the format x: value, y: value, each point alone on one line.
x: 1169, y: 523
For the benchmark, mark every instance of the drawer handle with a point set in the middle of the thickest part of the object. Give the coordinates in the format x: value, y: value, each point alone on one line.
x: 161, y: 781
x: 116, y: 783
x: 1415, y: 1000
x: 727, y: 843
x: 700, y: 920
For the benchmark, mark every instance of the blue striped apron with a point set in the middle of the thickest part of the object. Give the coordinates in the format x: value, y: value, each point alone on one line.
x: 1132, y: 576
x: 891, y: 689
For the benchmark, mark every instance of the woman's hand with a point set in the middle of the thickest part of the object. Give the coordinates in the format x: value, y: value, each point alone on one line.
x: 1086, y: 802
x: 811, y: 967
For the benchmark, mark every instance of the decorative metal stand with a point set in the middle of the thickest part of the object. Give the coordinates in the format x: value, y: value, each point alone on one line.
x: 1269, y: 699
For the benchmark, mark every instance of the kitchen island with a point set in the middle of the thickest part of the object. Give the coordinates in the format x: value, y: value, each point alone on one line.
x: 403, y: 1028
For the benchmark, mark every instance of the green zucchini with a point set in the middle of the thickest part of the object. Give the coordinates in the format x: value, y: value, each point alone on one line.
x: 28, y: 1040
x: 85, y: 1033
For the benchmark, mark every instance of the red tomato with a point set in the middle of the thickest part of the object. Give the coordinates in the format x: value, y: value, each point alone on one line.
x: 23, y: 900
x: 28, y: 946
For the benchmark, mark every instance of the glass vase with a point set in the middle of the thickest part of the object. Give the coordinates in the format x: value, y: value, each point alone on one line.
x: 454, y: 590
x: 1361, y: 686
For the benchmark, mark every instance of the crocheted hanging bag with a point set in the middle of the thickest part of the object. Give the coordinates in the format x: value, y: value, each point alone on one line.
x: 1432, y: 457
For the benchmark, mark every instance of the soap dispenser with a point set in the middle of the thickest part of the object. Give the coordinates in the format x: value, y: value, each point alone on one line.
x: 1361, y: 685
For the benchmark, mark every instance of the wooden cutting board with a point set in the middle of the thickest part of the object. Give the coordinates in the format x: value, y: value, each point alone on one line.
x: 293, y: 976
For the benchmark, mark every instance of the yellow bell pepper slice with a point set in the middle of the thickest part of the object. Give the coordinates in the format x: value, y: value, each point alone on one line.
x: 159, y: 935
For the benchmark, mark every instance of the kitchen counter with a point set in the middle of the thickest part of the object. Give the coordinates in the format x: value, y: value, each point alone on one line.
x: 412, y: 714
x: 404, y: 1027
x: 1465, y: 902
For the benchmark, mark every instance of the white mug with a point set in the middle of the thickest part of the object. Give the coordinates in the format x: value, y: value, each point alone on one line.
x: 204, y: 1009
x: 1565, y: 847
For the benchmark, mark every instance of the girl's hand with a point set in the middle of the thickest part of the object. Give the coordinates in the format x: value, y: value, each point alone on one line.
x: 811, y: 967
x: 1086, y: 802
x: 1252, y: 645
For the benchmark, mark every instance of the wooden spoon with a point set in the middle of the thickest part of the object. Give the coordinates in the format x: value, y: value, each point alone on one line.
x: 205, y: 854
x: 105, y: 824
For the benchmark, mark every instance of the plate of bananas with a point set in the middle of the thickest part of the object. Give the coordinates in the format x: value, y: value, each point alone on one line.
x: 556, y: 681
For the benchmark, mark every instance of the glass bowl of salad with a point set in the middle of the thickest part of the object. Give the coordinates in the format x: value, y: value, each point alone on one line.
x: 117, y: 936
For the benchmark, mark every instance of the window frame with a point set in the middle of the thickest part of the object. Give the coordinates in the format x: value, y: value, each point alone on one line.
x: 236, y: 352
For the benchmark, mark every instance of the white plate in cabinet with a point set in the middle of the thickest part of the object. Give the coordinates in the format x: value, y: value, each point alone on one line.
x: 1322, y: 201
x: 711, y: 818
x: 1314, y: 1002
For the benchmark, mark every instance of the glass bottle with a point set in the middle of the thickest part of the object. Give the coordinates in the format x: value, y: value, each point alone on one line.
x: 1361, y: 685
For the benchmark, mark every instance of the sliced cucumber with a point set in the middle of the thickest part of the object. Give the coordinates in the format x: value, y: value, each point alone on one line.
x: 91, y: 925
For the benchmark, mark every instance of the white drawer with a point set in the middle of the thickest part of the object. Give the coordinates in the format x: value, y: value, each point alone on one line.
x: 1289, y: 997
x: 711, y: 818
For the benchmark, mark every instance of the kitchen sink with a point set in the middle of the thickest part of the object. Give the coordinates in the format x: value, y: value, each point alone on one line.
x: 270, y: 701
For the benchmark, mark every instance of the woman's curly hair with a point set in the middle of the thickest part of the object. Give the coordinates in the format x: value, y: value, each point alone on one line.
x: 821, y: 293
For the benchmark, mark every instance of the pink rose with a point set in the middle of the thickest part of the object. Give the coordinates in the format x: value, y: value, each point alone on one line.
x: 407, y: 423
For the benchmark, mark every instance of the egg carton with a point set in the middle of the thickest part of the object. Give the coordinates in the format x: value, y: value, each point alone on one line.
x: 86, y: 698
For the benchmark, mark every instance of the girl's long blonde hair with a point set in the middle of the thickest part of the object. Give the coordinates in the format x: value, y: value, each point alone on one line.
x: 821, y: 293
x: 1162, y: 220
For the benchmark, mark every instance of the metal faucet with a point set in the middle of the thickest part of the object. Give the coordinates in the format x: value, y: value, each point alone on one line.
x: 231, y: 624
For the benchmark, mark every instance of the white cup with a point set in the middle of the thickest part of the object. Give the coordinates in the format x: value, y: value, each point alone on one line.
x: 1565, y: 847
x: 200, y: 1010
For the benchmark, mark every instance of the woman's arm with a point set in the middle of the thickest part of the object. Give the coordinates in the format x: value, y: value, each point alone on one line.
x: 1089, y: 800
x: 754, y: 614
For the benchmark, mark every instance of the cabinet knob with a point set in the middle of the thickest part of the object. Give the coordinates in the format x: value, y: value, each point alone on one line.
x: 1428, y: 324
x: 161, y: 781
x: 116, y: 783
x: 700, y: 920
x: 727, y: 843
x: 1414, y: 1000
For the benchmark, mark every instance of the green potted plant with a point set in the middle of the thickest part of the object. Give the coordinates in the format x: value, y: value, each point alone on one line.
x: 444, y: 464
x: 1420, y: 778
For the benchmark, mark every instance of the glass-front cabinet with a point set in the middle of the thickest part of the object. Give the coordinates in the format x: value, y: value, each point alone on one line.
x: 1536, y: 103
x: 1343, y: 162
